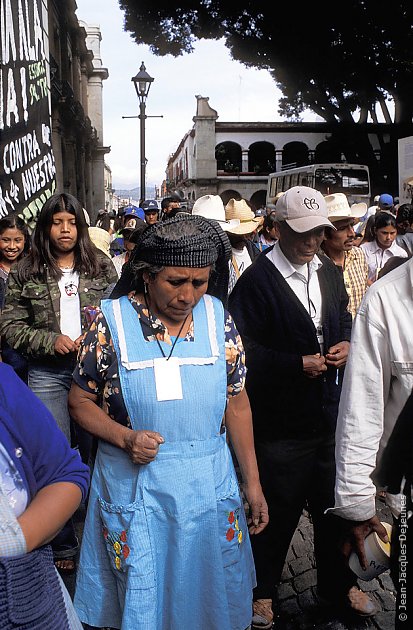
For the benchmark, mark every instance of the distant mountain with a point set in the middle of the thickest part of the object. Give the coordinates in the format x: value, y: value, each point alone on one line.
x: 135, y: 193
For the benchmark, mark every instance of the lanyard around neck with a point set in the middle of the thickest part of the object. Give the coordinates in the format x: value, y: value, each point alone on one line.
x: 151, y: 318
x: 312, y: 311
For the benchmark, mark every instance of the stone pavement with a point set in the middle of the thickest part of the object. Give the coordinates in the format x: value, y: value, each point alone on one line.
x: 298, y: 606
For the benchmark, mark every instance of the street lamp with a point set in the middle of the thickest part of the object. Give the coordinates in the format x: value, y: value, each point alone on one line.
x: 142, y: 82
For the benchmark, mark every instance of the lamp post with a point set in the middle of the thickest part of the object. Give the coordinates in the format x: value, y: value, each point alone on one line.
x: 142, y: 82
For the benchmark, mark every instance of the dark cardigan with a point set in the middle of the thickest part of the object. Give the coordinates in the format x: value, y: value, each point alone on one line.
x: 277, y: 332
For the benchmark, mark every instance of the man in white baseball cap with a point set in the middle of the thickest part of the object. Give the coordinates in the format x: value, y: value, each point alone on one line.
x: 291, y: 311
x: 303, y: 209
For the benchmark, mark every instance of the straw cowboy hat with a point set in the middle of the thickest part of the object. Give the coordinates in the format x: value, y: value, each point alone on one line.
x: 101, y: 238
x: 239, y: 209
x: 338, y: 208
x: 212, y: 207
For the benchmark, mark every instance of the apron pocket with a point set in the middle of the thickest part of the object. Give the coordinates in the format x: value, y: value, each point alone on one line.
x: 126, y: 535
x: 232, y: 527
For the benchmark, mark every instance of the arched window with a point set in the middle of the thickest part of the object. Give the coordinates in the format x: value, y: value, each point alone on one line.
x: 295, y: 154
x: 230, y: 194
x: 258, y: 199
x: 327, y: 152
x: 261, y: 158
x: 228, y: 156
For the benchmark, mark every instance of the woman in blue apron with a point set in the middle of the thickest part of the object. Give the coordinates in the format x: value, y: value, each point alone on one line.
x: 160, y: 382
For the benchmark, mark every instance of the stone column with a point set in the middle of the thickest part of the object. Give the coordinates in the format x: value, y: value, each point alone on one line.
x: 205, y: 162
x: 93, y: 92
x: 244, y: 158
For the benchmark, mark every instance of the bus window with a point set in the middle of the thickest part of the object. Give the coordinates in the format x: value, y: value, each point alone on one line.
x: 347, y: 181
x: 273, y: 186
x: 351, y: 179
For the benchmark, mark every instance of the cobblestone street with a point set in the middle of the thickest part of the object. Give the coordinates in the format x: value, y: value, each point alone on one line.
x: 298, y: 605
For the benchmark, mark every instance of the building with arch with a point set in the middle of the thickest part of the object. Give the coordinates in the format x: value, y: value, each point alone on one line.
x: 234, y: 159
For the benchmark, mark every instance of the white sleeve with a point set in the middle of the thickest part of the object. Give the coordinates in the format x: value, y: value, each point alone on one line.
x: 364, y: 395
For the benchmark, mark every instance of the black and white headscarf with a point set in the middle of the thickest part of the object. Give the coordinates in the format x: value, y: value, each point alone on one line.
x: 184, y: 241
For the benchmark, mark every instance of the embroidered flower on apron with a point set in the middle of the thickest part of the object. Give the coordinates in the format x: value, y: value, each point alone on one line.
x: 117, y: 547
x: 234, y: 530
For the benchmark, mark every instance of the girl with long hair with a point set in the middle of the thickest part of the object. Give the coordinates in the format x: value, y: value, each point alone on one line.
x: 383, y: 246
x: 50, y: 297
x: 14, y: 245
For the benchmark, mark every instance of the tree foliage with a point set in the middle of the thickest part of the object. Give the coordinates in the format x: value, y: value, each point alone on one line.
x: 336, y: 60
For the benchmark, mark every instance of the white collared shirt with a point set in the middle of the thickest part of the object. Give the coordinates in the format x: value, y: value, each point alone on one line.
x: 377, y: 257
x: 303, y: 280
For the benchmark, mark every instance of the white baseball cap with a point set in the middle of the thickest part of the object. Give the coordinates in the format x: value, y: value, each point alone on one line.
x: 303, y: 209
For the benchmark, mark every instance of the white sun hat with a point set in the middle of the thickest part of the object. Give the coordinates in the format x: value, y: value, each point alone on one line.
x: 339, y: 208
x: 212, y: 207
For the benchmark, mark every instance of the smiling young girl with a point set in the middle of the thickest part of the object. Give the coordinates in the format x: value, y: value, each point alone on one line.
x: 14, y: 245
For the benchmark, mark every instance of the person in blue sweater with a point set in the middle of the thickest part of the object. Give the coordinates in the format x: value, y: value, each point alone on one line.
x: 42, y: 482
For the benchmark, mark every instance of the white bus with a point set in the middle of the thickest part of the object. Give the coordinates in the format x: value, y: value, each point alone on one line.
x: 351, y: 179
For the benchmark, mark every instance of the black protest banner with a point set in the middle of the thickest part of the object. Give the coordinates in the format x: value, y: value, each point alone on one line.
x: 27, y: 166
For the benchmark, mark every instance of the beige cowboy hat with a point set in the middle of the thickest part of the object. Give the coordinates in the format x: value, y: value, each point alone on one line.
x: 101, y: 238
x: 338, y: 208
x: 212, y: 207
x: 240, y: 210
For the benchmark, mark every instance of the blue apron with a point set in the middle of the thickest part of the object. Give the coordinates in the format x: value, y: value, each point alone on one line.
x: 166, y: 545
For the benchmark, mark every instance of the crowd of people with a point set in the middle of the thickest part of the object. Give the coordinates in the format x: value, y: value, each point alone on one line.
x: 217, y: 370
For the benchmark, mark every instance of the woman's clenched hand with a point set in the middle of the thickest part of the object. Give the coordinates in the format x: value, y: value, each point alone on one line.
x: 142, y: 446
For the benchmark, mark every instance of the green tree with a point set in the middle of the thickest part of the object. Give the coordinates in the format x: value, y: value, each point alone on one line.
x: 343, y: 62
x: 335, y: 63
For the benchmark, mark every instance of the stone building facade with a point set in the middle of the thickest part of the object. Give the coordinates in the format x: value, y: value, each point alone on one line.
x: 76, y: 81
x: 234, y: 159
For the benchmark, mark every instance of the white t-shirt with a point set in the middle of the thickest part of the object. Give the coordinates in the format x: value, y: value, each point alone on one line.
x: 242, y: 258
x: 70, y: 321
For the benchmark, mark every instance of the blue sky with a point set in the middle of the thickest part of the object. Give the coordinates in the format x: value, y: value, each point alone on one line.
x: 236, y: 92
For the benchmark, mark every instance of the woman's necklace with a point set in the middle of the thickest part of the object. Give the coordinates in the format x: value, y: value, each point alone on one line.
x: 151, y: 318
x: 66, y: 264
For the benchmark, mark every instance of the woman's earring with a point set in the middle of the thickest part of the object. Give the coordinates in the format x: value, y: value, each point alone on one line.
x: 145, y: 288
